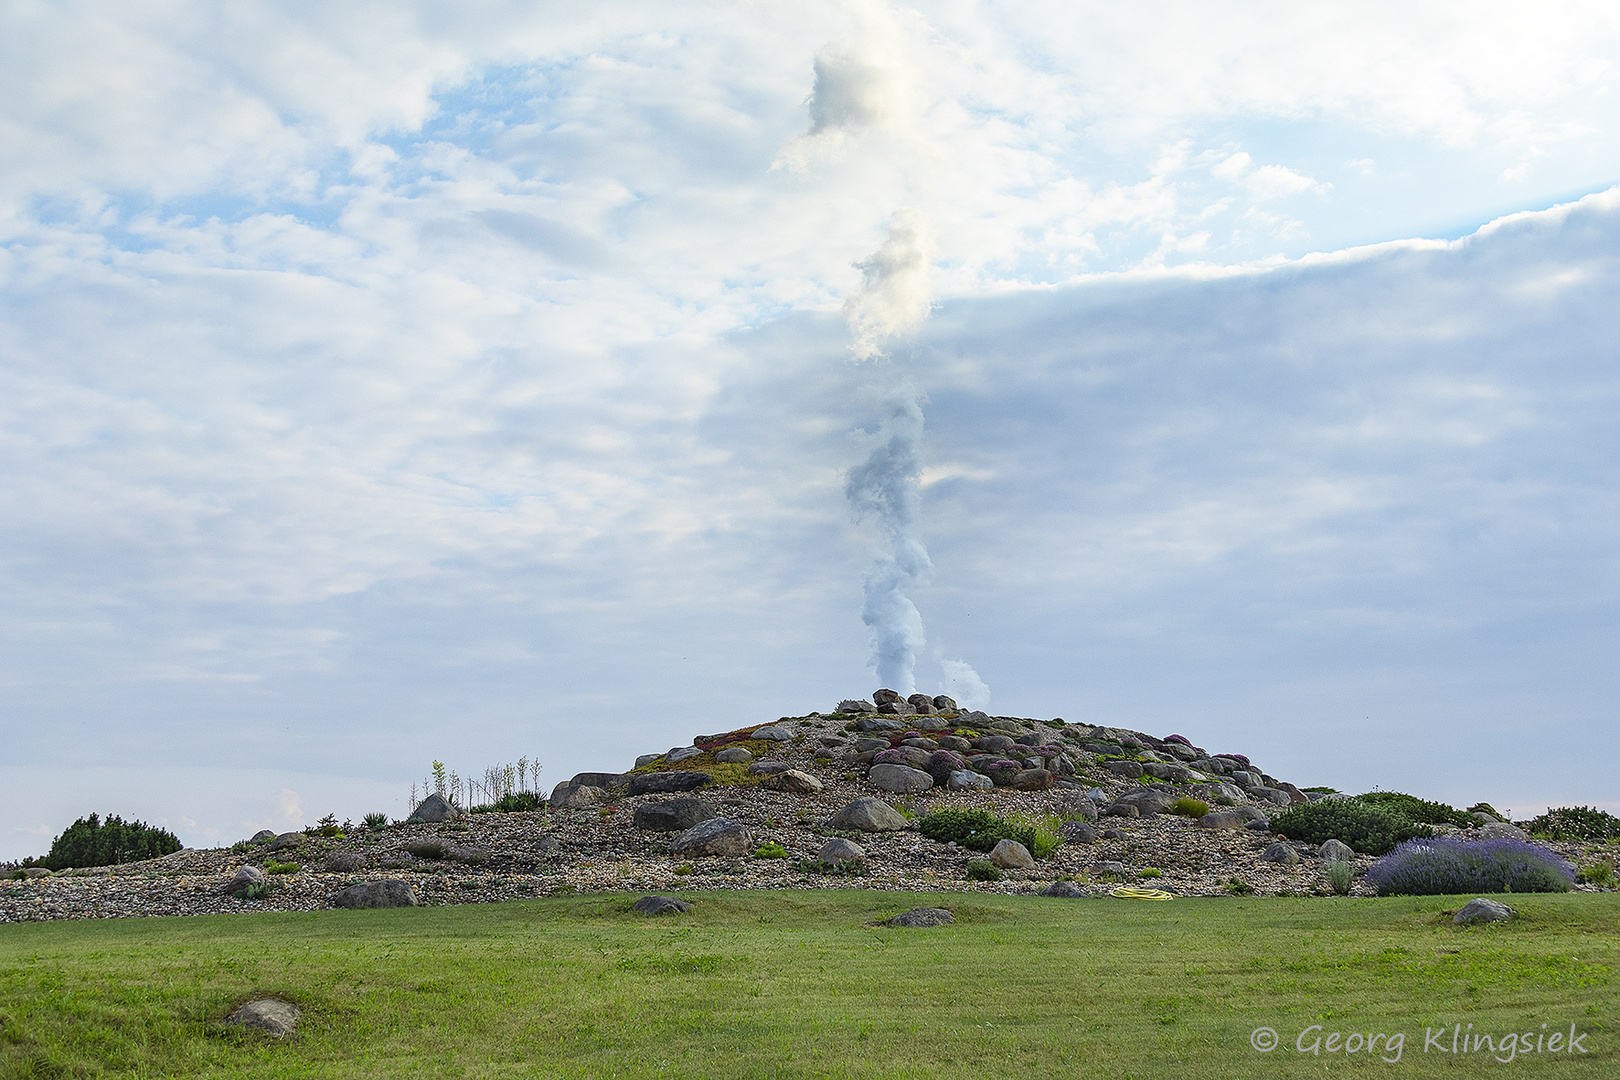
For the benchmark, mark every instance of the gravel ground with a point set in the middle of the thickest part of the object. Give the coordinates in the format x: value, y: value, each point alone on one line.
x: 599, y: 850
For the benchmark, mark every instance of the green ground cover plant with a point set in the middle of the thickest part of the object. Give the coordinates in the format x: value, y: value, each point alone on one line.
x: 807, y: 984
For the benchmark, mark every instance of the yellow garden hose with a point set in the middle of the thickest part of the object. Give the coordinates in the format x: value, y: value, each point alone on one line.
x: 1130, y: 892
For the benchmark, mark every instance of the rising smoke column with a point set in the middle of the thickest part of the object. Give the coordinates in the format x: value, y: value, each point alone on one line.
x: 886, y: 488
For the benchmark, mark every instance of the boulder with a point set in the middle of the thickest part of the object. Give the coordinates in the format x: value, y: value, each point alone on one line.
x: 900, y: 779
x: 682, y: 753
x: 664, y: 783
x: 290, y: 840
x: 1011, y: 855
x: 920, y: 742
x: 674, y: 815
x: 1219, y: 793
x: 1499, y: 830
x: 854, y: 705
x: 377, y: 894
x: 1482, y: 911
x: 1280, y: 852
x: 736, y: 755
x: 954, y: 742
x: 922, y: 918
x: 878, y: 723
x: 1243, y: 778
x: 1295, y: 796
x: 571, y: 796
x: 794, y: 781
x: 868, y: 815
x: 1335, y: 851
x: 920, y: 702
x: 1222, y: 819
x: 944, y: 704
x: 660, y: 905
x: 548, y: 845
x: 968, y: 780
x: 838, y: 849
x: 1271, y: 795
x: 1033, y: 780
x: 886, y: 697
x: 647, y: 759
x: 1108, y: 866
x: 1078, y: 832
x: 1130, y: 770
x: 772, y: 733
x: 1159, y: 770
x: 912, y: 756
x: 1067, y: 890
x: 247, y: 875
x: 607, y: 781
x: 1120, y: 809
x: 994, y: 744
x: 861, y: 746
x: 270, y: 1015
x: 717, y: 836
x: 769, y: 768
x: 1078, y: 805
x: 1149, y: 801
x: 930, y: 723
x: 345, y: 862
x: 263, y: 836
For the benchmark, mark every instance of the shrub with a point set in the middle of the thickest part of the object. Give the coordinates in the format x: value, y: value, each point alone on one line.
x: 1239, y: 887
x: 429, y: 849
x: 1600, y: 873
x: 1338, y: 874
x: 684, y: 869
x: 91, y: 841
x: 770, y: 849
x: 376, y: 822
x: 1419, y: 810
x: 520, y: 802
x: 1446, y: 865
x: 1487, y: 808
x: 1150, y: 871
x: 983, y: 870
x: 281, y: 868
x: 980, y: 830
x: 1186, y: 807
x: 259, y: 890
x: 1370, y: 830
x: 1576, y: 823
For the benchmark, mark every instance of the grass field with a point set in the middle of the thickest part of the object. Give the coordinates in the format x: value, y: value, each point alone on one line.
x: 807, y: 984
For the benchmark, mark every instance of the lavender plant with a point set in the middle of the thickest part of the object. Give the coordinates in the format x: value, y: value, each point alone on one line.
x: 1446, y: 865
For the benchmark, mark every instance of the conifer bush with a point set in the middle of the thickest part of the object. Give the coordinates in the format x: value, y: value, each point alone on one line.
x: 92, y: 841
x: 1370, y: 830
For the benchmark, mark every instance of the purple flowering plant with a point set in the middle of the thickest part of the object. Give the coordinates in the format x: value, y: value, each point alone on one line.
x: 1446, y: 865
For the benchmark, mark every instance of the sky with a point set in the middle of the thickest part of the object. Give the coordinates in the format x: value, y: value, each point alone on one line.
x: 390, y: 383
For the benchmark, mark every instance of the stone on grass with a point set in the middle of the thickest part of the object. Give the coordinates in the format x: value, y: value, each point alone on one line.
x: 246, y: 876
x: 1482, y: 911
x: 899, y: 778
x: 660, y: 905
x: 772, y: 733
x: 1011, y: 855
x: 647, y: 759
x: 681, y: 753
x: 922, y: 918
x: 794, y: 781
x: 1335, y: 851
x: 660, y: 783
x: 269, y: 1015
x: 675, y: 815
x: 431, y: 809
x: 734, y: 755
x: 769, y: 768
x: 1068, y: 890
x: 377, y: 894
x: 840, y: 849
x: 868, y: 815
x: 717, y: 836
x: 1280, y: 852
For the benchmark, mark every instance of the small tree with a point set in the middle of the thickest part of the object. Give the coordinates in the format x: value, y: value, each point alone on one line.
x: 90, y: 841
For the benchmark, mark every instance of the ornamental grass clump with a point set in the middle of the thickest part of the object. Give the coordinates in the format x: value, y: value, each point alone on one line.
x: 1338, y: 875
x: 1446, y: 865
x: 1189, y: 807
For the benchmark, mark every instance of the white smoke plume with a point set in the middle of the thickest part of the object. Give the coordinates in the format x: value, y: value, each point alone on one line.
x: 894, y: 297
x: 885, y: 488
x: 963, y: 684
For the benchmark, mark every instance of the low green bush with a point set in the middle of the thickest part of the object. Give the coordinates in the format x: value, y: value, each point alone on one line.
x: 1421, y: 811
x: 1370, y: 830
x: 281, y: 868
x: 1600, y: 873
x: 1150, y: 872
x: 1239, y: 887
x: 1576, y: 823
x: 983, y: 870
x: 1188, y: 807
x: 770, y: 849
x: 521, y: 802
x: 92, y: 841
x: 980, y: 830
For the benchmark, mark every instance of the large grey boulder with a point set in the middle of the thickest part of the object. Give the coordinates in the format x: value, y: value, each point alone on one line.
x: 1482, y: 911
x: 432, y: 809
x: 1011, y: 855
x: 646, y: 759
x: 868, y: 815
x: 664, y: 783
x: 681, y: 753
x: 607, y: 781
x: 1295, y: 796
x: 914, y: 757
x: 1033, y: 779
x: 1222, y: 819
x: 954, y: 742
x: 245, y: 877
x: 1498, y: 831
x: 1335, y: 851
x: 773, y: 733
x: 901, y: 779
x: 1148, y: 801
x: 886, y: 697
x: 1078, y: 832
x: 1161, y: 770
x: 840, y: 850
x: 263, y: 836
x: 923, y: 918
x: 944, y: 704
x: 855, y: 705
x: 345, y: 862
x: 660, y: 905
x: 874, y: 722
x: 571, y: 796
x: 675, y: 815
x: 1129, y: 770
x: 769, y: 768
x: 1280, y: 852
x: 717, y: 836
x: 968, y: 780
x: 734, y: 755
x: 793, y: 781
x: 1271, y: 794
x: 270, y: 1015
x: 994, y: 744
x: 377, y: 894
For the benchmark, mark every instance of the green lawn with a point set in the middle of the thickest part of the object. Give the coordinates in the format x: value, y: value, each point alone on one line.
x: 790, y: 984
